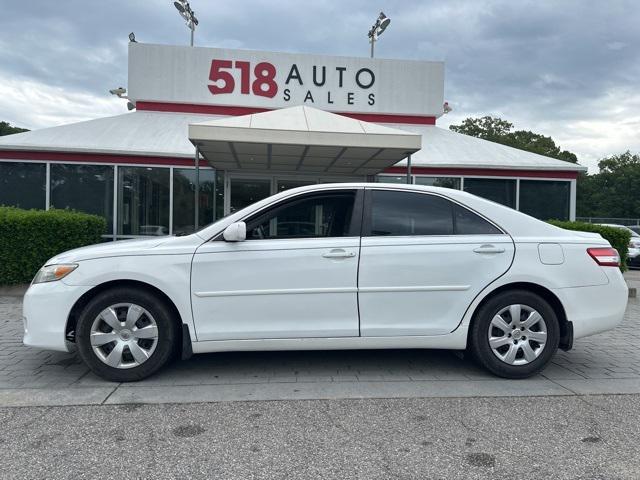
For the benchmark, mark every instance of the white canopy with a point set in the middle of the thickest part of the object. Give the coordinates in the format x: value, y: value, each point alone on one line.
x: 302, y: 139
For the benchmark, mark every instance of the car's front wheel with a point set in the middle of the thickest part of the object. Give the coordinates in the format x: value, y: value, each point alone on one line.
x: 514, y: 334
x: 125, y: 334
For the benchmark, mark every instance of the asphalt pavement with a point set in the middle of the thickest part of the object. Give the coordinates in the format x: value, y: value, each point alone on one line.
x: 577, y: 437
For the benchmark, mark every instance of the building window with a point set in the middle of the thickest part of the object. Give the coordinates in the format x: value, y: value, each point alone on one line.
x: 86, y: 188
x: 143, y: 201
x: 446, y: 182
x: 23, y: 184
x: 184, y: 184
x: 246, y: 191
x: 545, y: 200
x: 391, y: 179
x: 495, y: 189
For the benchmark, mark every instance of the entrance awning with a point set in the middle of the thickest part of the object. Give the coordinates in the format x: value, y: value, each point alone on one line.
x: 301, y: 139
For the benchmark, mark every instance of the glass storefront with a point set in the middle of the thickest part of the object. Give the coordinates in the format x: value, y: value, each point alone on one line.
x: 446, y: 182
x: 23, y: 184
x: 545, y: 199
x: 245, y: 191
x: 86, y: 188
x: 282, y: 185
x: 210, y: 198
x: 144, y: 194
x: 499, y: 190
x: 143, y: 201
x: 391, y: 178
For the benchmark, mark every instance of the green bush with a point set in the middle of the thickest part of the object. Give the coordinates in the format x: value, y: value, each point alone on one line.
x: 28, y: 238
x: 617, y: 237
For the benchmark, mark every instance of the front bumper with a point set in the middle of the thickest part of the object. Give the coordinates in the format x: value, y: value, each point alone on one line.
x: 45, y: 311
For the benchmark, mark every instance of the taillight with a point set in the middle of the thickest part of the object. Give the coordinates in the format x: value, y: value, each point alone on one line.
x: 606, y: 257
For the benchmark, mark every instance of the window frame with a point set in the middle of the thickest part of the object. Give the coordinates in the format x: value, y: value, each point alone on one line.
x: 355, y: 224
x: 367, y: 215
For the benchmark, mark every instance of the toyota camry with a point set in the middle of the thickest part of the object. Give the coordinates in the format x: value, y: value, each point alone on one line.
x: 333, y: 266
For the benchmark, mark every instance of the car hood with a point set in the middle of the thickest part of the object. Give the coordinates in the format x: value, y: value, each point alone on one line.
x: 128, y: 247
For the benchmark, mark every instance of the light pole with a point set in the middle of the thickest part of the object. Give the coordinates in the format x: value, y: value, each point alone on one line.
x: 382, y: 22
x: 189, y: 15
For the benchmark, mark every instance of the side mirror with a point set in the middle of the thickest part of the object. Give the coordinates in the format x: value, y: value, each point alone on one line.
x: 236, y: 232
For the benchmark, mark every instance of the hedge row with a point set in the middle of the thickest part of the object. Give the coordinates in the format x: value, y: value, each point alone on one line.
x: 617, y: 237
x: 28, y: 238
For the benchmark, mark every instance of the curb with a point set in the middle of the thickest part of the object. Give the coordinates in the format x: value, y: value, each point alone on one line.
x: 13, y: 290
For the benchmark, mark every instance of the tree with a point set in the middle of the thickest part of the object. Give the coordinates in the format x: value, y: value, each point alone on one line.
x: 7, y: 129
x: 614, y: 191
x: 487, y: 128
x: 500, y: 131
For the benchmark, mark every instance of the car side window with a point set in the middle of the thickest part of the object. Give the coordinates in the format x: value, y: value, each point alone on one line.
x: 326, y: 214
x: 396, y: 213
x: 468, y: 223
x: 407, y: 213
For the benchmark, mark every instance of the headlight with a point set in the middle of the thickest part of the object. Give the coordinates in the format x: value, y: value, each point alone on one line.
x: 51, y: 273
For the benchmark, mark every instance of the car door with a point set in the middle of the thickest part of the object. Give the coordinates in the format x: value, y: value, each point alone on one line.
x: 423, y: 260
x: 294, y: 276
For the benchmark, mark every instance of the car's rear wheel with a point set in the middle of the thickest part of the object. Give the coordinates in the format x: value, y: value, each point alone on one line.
x: 514, y: 334
x: 125, y: 335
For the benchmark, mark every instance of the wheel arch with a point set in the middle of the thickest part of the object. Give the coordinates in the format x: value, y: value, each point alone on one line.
x: 566, y: 328
x: 72, y: 318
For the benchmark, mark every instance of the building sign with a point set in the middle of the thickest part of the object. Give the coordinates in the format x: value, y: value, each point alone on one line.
x: 212, y: 76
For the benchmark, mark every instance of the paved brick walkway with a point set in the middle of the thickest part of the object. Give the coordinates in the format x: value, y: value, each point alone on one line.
x: 611, y: 359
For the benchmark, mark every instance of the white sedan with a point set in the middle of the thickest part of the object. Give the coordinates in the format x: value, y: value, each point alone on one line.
x: 334, y: 266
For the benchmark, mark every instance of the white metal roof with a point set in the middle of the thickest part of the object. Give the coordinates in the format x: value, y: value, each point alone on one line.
x: 444, y: 148
x: 166, y: 134
x: 135, y: 133
x: 302, y: 139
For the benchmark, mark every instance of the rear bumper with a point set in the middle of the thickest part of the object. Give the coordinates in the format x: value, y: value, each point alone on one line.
x: 595, y: 309
x: 46, y: 308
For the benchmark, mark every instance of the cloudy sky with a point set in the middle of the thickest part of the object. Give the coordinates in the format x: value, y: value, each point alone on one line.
x: 568, y: 69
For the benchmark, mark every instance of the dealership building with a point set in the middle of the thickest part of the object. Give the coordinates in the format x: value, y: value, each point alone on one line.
x: 240, y: 125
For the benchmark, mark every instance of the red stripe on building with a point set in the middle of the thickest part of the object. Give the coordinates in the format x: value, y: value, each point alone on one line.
x: 96, y: 158
x: 235, y: 111
x: 484, y: 172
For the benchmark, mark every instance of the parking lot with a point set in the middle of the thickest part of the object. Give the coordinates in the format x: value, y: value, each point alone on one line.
x: 607, y: 363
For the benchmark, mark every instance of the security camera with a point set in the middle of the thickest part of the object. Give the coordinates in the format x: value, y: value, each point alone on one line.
x: 118, y: 91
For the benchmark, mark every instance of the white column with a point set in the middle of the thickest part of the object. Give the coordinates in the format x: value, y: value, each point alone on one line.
x: 170, y: 200
x: 115, y: 202
x: 47, y: 188
x: 572, y: 199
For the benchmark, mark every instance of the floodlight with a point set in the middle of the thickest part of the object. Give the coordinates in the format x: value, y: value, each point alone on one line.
x: 132, y: 37
x: 384, y: 23
x: 184, y: 9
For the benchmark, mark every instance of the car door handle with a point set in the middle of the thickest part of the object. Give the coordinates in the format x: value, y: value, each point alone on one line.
x: 489, y: 249
x: 339, y: 253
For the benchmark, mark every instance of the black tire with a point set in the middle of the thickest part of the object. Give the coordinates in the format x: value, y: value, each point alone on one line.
x: 167, y: 333
x: 483, y: 354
